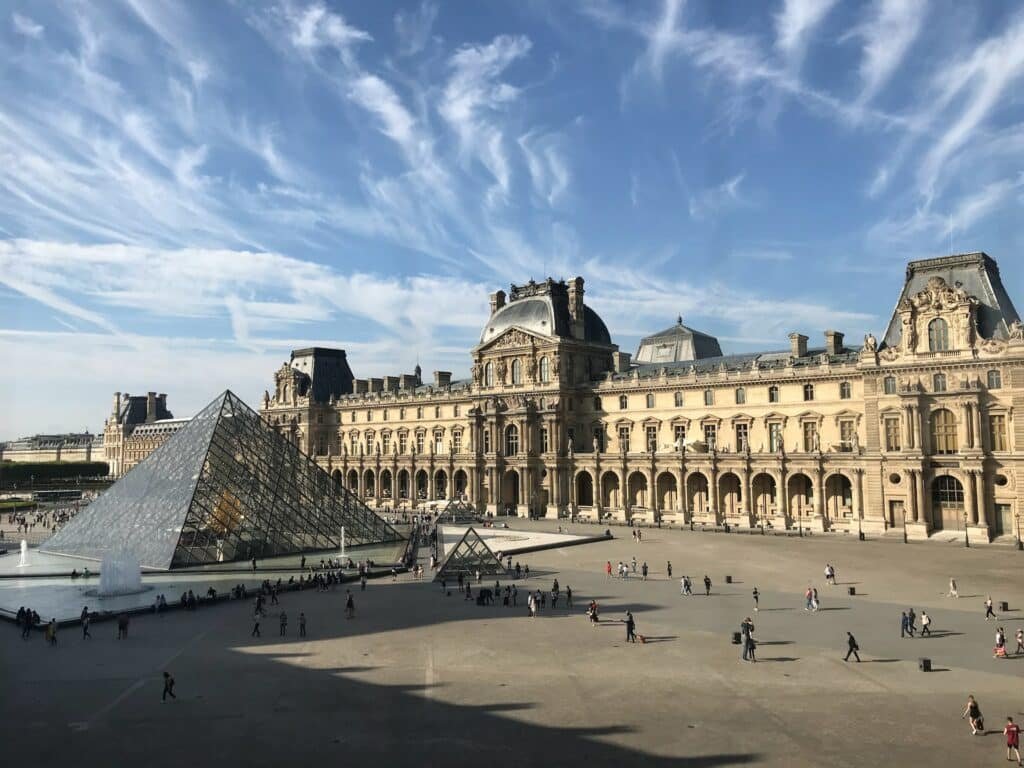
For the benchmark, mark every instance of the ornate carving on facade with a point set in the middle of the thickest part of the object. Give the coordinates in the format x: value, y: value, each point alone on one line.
x: 889, y: 354
x: 512, y: 338
x: 1016, y: 331
x: 993, y: 346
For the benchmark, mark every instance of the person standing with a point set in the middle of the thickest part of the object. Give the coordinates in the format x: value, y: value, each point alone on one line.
x: 302, y: 624
x: 746, y: 630
x: 757, y: 598
x: 1020, y: 642
x: 168, y: 687
x: 814, y: 600
x: 643, y: 570
x: 634, y: 565
x: 568, y: 597
x: 926, y: 624
x: 911, y: 621
x: 255, y: 623
x: 608, y: 569
x: 904, y: 625
x: 51, y: 632
x: 851, y: 647
x: 668, y: 567
x: 85, y: 625
x: 1012, y: 733
x: 707, y: 586
x: 807, y: 597
x: 682, y: 586
x: 284, y: 624
x: 953, y: 591
x: 350, y: 605
x: 988, y: 609
x: 630, y: 628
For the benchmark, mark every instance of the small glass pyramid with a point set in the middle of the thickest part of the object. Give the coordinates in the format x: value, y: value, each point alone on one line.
x: 225, y: 487
x: 470, y: 555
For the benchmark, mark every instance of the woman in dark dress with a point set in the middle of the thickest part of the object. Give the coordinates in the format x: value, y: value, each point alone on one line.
x: 973, y: 714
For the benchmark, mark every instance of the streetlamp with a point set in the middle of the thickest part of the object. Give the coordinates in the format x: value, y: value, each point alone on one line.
x: 904, y: 510
x: 1020, y: 544
x: 967, y: 538
x: 800, y: 520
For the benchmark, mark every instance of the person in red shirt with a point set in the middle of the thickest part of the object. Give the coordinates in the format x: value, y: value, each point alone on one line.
x: 1012, y: 732
x: 608, y: 568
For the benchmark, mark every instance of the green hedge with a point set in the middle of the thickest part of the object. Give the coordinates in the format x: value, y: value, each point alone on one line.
x: 43, y: 471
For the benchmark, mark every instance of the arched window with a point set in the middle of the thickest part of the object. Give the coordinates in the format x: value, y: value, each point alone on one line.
x: 437, y: 411
x: 808, y: 391
x: 939, y: 382
x: 517, y: 372
x: 741, y: 395
x: 889, y: 385
x: 773, y: 394
x: 947, y: 490
x: 844, y: 390
x: 419, y: 412
x: 489, y: 375
x: 623, y: 402
x: 511, y: 440
x: 597, y: 403
x: 545, y: 370
x: 709, y: 397
x: 938, y: 335
x: 944, y: 438
x: 679, y: 399
x: 995, y: 380
x: 650, y: 400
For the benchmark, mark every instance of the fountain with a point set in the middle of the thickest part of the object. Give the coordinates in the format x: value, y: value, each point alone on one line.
x: 23, y: 563
x: 119, y: 575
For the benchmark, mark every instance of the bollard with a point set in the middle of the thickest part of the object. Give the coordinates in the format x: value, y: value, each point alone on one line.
x: 851, y: 590
x: 728, y: 579
x: 924, y: 664
x: 736, y: 639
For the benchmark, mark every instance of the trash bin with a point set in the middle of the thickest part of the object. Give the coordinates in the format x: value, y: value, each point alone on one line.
x: 851, y: 590
x: 1004, y: 606
x: 924, y: 664
x: 728, y: 580
x: 736, y: 639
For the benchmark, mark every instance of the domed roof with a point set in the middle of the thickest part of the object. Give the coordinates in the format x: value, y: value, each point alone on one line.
x: 677, y: 344
x: 544, y: 310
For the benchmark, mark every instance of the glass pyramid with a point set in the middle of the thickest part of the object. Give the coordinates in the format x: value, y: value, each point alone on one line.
x: 457, y: 511
x: 225, y: 487
x: 470, y: 555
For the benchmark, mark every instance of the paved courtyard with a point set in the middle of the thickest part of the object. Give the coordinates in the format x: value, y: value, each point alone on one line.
x: 419, y: 678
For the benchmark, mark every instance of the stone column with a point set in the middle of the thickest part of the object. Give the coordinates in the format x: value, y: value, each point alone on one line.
x: 970, y: 505
x: 858, y: 513
x: 979, y: 436
x: 652, y: 492
x: 747, y: 496
x: 918, y: 439
x: 915, y: 513
x: 922, y: 510
x: 679, y: 490
x: 782, y: 485
x: 713, y: 493
x: 965, y: 408
x: 684, y: 495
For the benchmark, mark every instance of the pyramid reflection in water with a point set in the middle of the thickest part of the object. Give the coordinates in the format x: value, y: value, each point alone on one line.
x: 225, y: 487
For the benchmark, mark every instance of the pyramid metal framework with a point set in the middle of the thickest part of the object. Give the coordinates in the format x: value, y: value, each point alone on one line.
x: 470, y: 555
x: 457, y: 511
x: 225, y: 487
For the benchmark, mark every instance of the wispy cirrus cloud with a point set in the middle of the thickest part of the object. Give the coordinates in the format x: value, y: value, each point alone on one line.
x: 413, y: 27
x: 25, y: 26
x: 716, y: 199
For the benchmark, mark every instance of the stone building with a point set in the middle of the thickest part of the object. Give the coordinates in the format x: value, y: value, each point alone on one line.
x: 137, y: 426
x: 74, y: 446
x: 918, y: 431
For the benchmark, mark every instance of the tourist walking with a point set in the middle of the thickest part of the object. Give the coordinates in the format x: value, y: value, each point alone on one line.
x: 630, y: 628
x: 283, y: 624
x: 926, y: 624
x: 168, y: 687
x: 634, y: 565
x: 255, y: 624
x: 911, y: 621
x: 807, y: 597
x: 608, y: 569
x: 1020, y: 642
x: 904, y: 625
x: 851, y: 647
x: 668, y: 567
x: 746, y: 630
x: 687, y: 586
x: 973, y: 714
x: 757, y: 598
x: 350, y: 605
x: 85, y: 625
x: 814, y: 600
x: 122, y: 626
x: 302, y: 624
x: 953, y: 591
x: 643, y: 570
x: 1000, y: 648
x: 51, y: 632
x: 568, y: 596
x: 1012, y: 733
x: 989, y: 614
x: 707, y: 586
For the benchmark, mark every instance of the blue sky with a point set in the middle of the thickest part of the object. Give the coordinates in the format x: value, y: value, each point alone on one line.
x: 190, y: 190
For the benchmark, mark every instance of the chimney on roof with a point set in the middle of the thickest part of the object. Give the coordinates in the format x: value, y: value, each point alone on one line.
x: 833, y: 343
x: 442, y: 379
x: 797, y: 345
x: 497, y: 301
x: 576, y: 307
x: 150, y: 407
x: 117, y: 405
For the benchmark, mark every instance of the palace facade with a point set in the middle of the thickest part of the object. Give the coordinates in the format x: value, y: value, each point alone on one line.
x: 917, y: 431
